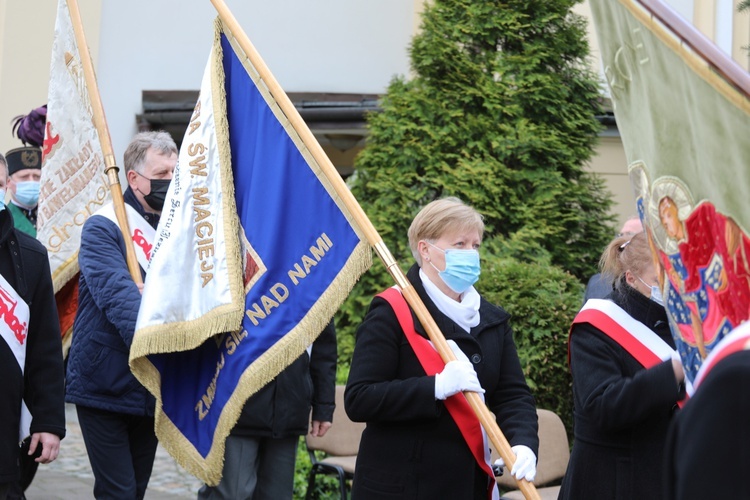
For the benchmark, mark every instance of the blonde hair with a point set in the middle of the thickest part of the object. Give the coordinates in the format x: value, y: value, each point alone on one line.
x: 626, y: 253
x: 443, y: 216
x: 135, y: 154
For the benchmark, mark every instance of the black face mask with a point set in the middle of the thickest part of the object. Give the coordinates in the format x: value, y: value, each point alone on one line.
x: 158, y: 194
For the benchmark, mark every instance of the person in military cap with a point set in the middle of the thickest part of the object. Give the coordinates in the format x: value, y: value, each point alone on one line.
x: 25, y: 169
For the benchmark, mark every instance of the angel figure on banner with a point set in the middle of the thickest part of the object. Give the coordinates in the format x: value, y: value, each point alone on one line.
x: 682, y: 322
x: 705, y: 256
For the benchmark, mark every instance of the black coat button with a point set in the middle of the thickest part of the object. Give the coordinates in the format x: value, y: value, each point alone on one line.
x: 476, y: 358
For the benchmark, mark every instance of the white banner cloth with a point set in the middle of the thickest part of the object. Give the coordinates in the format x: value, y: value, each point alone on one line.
x: 73, y: 184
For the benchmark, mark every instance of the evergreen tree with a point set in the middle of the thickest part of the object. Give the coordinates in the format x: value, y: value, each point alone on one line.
x: 501, y: 112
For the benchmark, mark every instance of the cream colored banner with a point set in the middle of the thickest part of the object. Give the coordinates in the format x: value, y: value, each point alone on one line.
x: 73, y: 184
x: 197, y: 243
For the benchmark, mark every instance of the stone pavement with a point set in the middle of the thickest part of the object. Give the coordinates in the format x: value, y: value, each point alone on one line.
x: 70, y: 477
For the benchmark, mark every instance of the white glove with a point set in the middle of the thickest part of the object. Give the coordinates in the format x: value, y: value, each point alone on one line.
x: 525, y: 466
x: 457, y: 352
x: 457, y: 376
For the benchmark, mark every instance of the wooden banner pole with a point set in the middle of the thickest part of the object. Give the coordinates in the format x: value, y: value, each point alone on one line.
x: 100, y: 122
x: 483, y: 414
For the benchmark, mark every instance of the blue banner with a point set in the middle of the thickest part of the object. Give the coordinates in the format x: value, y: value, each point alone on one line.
x: 297, y: 253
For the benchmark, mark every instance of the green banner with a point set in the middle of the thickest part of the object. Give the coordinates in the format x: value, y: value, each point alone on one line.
x: 684, y: 129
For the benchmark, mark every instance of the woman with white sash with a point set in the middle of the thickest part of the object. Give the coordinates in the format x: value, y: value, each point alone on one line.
x: 627, y: 381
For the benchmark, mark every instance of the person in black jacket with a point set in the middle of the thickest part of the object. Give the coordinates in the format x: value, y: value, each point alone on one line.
x: 260, y: 452
x: 622, y: 406
x: 708, y: 445
x: 31, y: 362
x: 412, y: 446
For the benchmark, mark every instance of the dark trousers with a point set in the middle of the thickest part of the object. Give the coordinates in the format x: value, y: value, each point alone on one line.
x: 255, y: 469
x: 121, y: 451
x: 28, y: 467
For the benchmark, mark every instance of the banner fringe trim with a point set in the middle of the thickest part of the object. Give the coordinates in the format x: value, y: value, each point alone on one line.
x: 256, y: 376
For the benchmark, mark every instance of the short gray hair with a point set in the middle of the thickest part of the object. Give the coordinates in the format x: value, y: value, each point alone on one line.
x: 135, y: 154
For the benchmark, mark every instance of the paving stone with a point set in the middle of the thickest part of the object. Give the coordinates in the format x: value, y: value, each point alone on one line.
x: 70, y: 477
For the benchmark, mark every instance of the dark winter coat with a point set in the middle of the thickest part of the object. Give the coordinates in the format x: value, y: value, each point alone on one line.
x: 708, y: 446
x: 598, y: 287
x: 621, y: 410
x: 282, y: 408
x: 24, y: 264
x: 98, y: 374
x: 411, y: 447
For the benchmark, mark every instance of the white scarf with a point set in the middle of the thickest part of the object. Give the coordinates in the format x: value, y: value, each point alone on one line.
x: 464, y: 313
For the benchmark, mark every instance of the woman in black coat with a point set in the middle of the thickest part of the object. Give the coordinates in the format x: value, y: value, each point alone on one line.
x: 412, y: 447
x: 622, y: 409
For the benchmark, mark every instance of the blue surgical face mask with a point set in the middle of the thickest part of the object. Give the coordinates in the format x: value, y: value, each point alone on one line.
x: 655, y: 292
x: 2, y: 200
x: 461, y: 268
x: 27, y: 193
x: 656, y: 295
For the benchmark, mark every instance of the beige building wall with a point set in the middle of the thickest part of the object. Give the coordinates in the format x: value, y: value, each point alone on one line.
x: 418, y: 8
x: 704, y: 17
x: 26, y: 35
x: 609, y: 163
x: 741, y: 37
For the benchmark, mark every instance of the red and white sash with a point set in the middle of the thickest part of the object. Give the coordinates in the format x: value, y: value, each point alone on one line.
x: 636, y: 338
x: 14, y: 329
x: 737, y: 340
x: 457, y: 405
x: 141, y: 232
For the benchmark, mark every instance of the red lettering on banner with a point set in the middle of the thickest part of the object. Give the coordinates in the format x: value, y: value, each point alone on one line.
x: 49, y: 141
x: 140, y: 240
x: 8, y: 313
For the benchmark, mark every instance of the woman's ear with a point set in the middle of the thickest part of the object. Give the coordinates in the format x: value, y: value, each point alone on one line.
x: 630, y: 278
x: 423, y: 249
